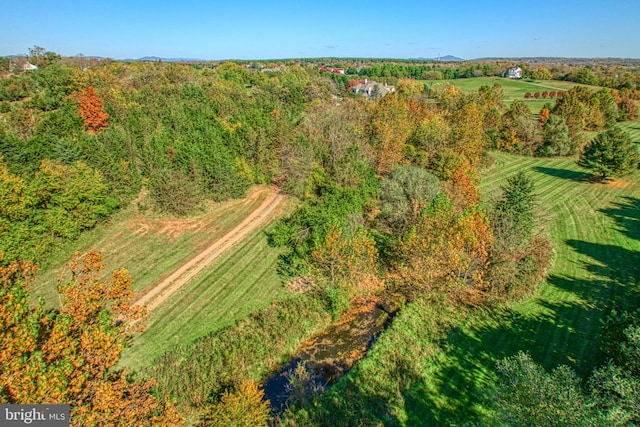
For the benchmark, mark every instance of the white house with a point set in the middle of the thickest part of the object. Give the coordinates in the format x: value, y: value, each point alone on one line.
x: 27, y: 66
x: 368, y: 89
x: 514, y: 73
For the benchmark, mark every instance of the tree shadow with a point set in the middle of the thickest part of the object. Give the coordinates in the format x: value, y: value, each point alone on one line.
x: 454, y: 387
x: 626, y: 214
x: 553, y: 332
x: 349, y: 403
x: 566, y: 174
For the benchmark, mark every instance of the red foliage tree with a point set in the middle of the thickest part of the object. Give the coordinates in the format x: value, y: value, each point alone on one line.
x: 95, y: 118
x: 545, y: 94
x: 527, y: 95
x: 536, y: 95
x: 553, y: 94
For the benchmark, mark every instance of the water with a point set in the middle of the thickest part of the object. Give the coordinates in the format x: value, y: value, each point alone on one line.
x: 321, y: 362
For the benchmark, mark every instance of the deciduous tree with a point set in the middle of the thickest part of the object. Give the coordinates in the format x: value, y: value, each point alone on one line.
x: 404, y: 194
x: 91, y: 110
x: 446, y: 251
x: 68, y: 356
x: 543, y: 115
x: 243, y: 407
x: 347, y: 262
x: 389, y: 129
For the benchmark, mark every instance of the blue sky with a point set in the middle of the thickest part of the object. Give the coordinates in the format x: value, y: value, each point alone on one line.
x: 288, y: 29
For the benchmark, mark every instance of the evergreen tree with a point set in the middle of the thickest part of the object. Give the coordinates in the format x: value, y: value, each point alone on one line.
x: 555, y: 138
x: 515, y: 208
x: 610, y: 154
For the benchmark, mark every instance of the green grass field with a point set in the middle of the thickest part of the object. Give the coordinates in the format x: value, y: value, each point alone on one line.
x: 240, y: 281
x: 436, y: 363
x: 148, y: 246
x: 513, y: 89
x: 596, y: 268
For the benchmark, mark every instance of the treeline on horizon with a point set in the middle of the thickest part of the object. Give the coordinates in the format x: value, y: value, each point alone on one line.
x: 388, y: 202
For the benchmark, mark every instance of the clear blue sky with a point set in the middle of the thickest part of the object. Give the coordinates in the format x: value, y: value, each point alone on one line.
x: 253, y: 29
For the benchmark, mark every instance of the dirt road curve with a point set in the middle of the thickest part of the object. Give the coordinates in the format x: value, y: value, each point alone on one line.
x: 164, y: 289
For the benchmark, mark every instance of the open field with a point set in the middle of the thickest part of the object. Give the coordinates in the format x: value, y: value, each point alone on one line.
x: 435, y: 364
x: 240, y: 280
x: 513, y: 88
x: 596, y: 236
x: 148, y: 246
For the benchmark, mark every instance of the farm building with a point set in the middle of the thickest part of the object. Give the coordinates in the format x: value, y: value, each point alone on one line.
x: 27, y: 66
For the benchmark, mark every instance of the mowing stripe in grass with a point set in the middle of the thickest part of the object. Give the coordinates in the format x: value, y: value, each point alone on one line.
x: 241, y: 281
x: 594, y: 269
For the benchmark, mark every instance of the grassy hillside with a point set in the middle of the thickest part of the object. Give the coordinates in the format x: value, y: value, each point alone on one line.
x: 418, y: 375
x: 513, y: 89
x: 149, y: 246
x: 239, y: 282
x: 595, y: 232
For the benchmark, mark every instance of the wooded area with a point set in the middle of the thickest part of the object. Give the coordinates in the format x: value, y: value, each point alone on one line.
x: 389, y: 204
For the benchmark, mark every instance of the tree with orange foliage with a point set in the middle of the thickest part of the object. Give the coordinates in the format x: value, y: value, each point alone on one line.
x: 467, y: 132
x: 544, y: 115
x: 389, y: 129
x: 447, y: 251
x: 67, y: 356
x: 91, y: 110
x: 462, y: 189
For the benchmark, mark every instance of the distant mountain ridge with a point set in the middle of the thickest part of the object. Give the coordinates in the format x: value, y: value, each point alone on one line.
x: 157, y: 58
x: 446, y: 58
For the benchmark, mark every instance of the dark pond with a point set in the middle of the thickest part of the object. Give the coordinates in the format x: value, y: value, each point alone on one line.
x: 321, y: 362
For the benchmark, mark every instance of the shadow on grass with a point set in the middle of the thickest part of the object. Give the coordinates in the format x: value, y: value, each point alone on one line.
x: 566, y: 330
x: 565, y: 174
x: 626, y: 214
x: 560, y: 326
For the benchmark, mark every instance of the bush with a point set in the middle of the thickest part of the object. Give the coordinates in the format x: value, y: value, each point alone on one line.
x: 242, y: 407
x: 247, y: 351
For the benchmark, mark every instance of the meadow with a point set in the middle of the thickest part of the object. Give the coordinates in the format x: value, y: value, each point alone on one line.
x: 513, y: 88
x: 595, y: 232
x: 446, y: 366
x: 241, y: 281
x: 150, y: 246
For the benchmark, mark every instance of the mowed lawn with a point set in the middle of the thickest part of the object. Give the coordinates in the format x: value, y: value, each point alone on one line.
x: 595, y: 230
x: 240, y: 281
x: 148, y: 246
x: 236, y: 284
x: 513, y: 88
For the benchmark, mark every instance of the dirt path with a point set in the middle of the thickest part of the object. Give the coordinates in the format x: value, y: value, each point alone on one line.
x: 164, y: 289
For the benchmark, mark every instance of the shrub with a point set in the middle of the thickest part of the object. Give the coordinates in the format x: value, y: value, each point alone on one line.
x: 242, y: 407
